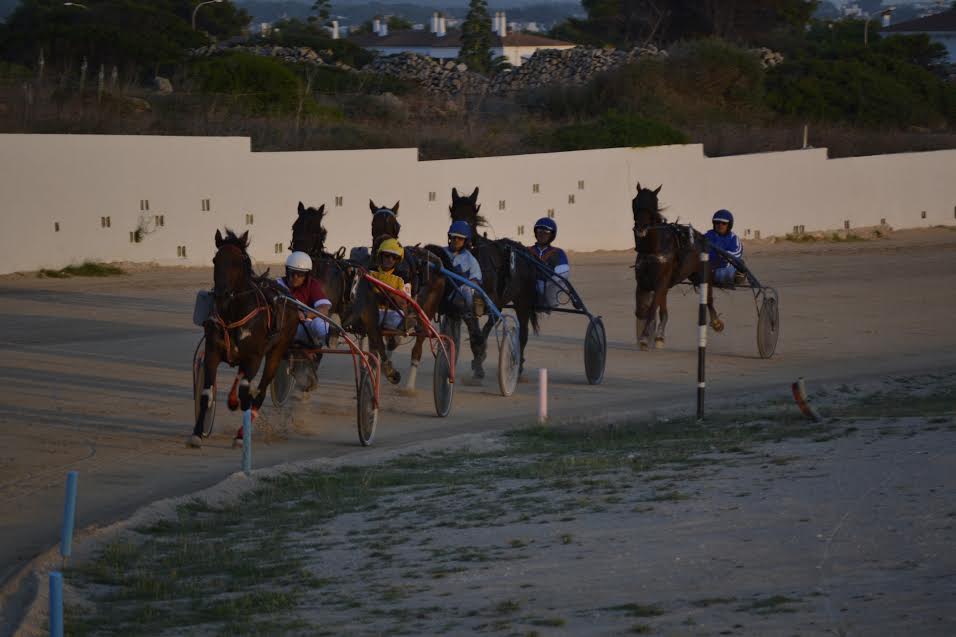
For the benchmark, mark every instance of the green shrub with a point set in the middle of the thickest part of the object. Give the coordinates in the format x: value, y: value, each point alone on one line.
x: 298, y: 33
x: 258, y: 85
x: 612, y: 130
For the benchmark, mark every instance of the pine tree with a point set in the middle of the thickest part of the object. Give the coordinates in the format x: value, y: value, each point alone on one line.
x: 476, y: 37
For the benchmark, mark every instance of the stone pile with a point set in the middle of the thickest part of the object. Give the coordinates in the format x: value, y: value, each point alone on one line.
x: 435, y: 76
x: 295, y: 54
x: 768, y: 57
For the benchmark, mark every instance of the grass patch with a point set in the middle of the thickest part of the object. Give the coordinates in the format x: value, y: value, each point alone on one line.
x: 899, y: 404
x: 637, y: 610
x: 550, y: 621
x: 87, y: 268
x: 769, y: 605
x: 712, y: 601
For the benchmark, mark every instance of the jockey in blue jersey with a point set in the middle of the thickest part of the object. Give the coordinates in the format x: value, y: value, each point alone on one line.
x: 465, y: 264
x: 723, y: 237
x: 545, y: 230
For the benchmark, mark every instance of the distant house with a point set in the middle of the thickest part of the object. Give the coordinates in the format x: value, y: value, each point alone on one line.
x: 940, y: 27
x: 442, y: 43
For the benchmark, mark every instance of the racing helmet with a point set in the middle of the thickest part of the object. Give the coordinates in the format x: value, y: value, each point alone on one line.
x: 298, y: 262
x: 547, y: 223
x: 391, y: 246
x: 724, y: 215
x: 461, y: 229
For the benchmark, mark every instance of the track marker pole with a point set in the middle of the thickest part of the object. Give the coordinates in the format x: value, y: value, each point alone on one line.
x: 69, y: 514
x: 799, y: 390
x: 702, y: 333
x: 247, y: 441
x: 56, y: 604
x: 542, y: 396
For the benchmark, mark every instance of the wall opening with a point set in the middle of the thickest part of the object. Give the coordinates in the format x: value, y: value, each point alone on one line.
x: 535, y: 188
x: 56, y: 226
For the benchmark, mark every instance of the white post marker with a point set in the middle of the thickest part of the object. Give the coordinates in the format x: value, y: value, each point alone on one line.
x: 247, y: 441
x: 542, y: 396
x: 702, y: 332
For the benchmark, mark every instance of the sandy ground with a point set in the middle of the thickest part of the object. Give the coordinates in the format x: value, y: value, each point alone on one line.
x: 96, y: 372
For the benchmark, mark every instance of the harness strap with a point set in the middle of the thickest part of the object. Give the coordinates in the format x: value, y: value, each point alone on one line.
x: 226, y: 327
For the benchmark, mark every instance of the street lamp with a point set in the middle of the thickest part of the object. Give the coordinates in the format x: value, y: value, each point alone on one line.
x: 197, y: 9
x: 885, y: 13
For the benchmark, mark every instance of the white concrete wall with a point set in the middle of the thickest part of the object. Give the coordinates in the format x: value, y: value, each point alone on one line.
x: 517, y: 55
x: 74, y: 180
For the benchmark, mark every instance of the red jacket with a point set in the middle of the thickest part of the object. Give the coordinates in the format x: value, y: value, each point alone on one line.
x: 309, y: 293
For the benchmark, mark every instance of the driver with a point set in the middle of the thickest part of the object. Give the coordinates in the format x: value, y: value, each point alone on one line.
x: 306, y: 289
x: 723, y: 237
x: 465, y: 264
x: 545, y: 230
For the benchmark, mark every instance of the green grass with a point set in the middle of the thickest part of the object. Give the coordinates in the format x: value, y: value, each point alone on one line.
x: 87, y: 268
x: 769, y: 605
x: 637, y: 610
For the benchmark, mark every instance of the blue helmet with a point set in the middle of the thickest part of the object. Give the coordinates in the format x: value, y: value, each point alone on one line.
x: 724, y: 215
x: 460, y: 229
x: 547, y: 223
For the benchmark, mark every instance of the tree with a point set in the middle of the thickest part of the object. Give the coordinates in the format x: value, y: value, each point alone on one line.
x: 322, y: 10
x: 476, y: 37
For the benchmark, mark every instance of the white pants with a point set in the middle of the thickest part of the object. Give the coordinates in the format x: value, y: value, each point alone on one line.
x: 317, y: 327
x: 390, y: 319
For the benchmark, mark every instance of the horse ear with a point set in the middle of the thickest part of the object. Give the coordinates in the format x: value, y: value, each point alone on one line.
x: 474, y: 195
x: 395, y: 208
x: 658, y: 189
x: 638, y: 186
x: 245, y: 239
x: 322, y: 209
x: 301, y: 209
x: 218, y: 239
x: 372, y: 206
x: 454, y: 195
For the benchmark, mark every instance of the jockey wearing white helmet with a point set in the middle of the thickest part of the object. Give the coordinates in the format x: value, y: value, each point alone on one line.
x: 308, y: 290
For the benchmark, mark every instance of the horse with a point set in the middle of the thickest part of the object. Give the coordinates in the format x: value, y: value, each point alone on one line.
x: 249, y: 321
x: 384, y: 223
x: 428, y: 291
x: 505, y: 277
x: 666, y: 254
x: 335, y: 275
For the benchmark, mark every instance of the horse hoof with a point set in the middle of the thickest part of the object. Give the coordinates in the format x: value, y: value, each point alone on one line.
x: 658, y: 343
x: 233, y: 404
x: 644, y: 346
x: 236, y: 443
x: 194, y: 442
x: 718, y: 325
x: 394, y: 378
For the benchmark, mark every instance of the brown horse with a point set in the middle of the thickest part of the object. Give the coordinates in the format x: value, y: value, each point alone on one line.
x: 384, y: 223
x: 249, y: 321
x: 505, y: 277
x: 667, y: 253
x: 335, y: 274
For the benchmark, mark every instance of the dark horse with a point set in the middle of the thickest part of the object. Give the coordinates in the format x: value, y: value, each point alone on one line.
x: 248, y: 322
x: 335, y: 274
x: 667, y: 253
x: 384, y: 223
x: 428, y: 290
x: 505, y: 277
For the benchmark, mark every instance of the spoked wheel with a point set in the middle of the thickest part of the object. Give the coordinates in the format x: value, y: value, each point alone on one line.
x: 509, y: 358
x: 768, y: 326
x: 451, y: 327
x: 199, y: 377
x: 595, y: 351
x: 367, y: 411
x: 442, y: 387
x: 283, y: 382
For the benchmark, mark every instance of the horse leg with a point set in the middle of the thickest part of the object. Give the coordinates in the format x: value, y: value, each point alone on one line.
x: 642, y: 304
x: 650, y: 322
x: 524, y: 315
x: 273, y: 359
x: 413, y: 368
x: 210, y: 367
x: 659, y: 336
x: 715, y: 321
x: 479, y: 348
x: 247, y: 370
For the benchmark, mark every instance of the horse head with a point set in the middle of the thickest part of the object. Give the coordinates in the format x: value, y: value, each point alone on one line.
x: 466, y: 209
x: 646, y: 210
x: 308, y: 235
x: 231, y: 265
x: 384, y: 222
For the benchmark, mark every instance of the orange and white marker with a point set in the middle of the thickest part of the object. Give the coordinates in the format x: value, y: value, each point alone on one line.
x: 542, y: 396
x: 800, y: 395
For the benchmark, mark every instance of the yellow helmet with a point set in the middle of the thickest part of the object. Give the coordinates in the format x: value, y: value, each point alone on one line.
x: 392, y: 246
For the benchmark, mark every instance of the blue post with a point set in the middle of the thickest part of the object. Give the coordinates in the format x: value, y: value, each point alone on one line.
x: 69, y: 514
x: 247, y: 441
x: 56, y: 604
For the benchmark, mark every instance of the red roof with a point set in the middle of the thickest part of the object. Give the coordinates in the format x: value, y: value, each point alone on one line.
x: 945, y: 21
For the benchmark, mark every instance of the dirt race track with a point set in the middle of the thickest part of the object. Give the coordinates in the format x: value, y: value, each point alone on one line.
x: 96, y: 372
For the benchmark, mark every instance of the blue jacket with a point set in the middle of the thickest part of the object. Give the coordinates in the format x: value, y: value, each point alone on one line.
x: 465, y: 264
x: 728, y: 243
x: 555, y: 258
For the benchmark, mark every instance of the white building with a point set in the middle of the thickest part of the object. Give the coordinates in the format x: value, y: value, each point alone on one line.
x: 940, y: 28
x: 443, y: 43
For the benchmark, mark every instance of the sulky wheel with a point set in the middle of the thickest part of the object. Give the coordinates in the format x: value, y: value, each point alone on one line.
x: 199, y: 377
x: 283, y: 382
x: 442, y: 387
x: 768, y: 326
x: 367, y: 417
x: 509, y: 358
x: 451, y: 327
x: 595, y: 351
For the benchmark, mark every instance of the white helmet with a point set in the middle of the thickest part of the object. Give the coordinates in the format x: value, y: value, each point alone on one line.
x: 299, y: 262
